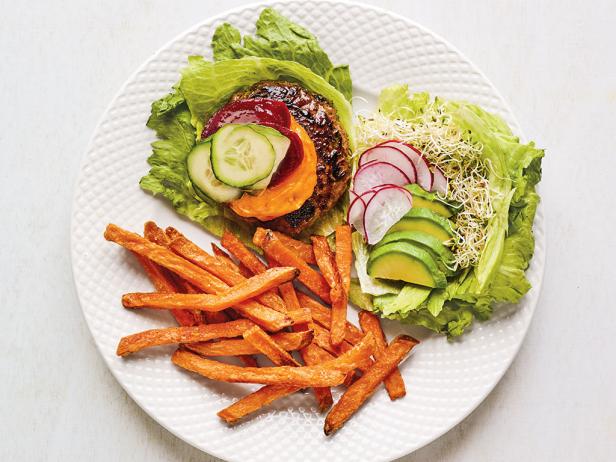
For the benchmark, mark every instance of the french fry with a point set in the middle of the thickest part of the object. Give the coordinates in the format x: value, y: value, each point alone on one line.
x: 205, y: 302
x: 322, y: 315
x: 327, y: 264
x: 270, y: 393
x: 155, y: 234
x: 311, y: 354
x: 268, y: 318
x: 244, y: 255
x: 216, y: 317
x: 163, y: 283
x: 266, y: 345
x: 301, y: 377
x: 275, y: 249
x: 365, y: 386
x: 156, y: 337
x: 300, y: 317
x: 323, y: 339
x: 255, y: 401
x: 240, y: 266
x: 220, y: 268
x: 344, y: 255
x: 288, y: 341
x: 302, y: 249
x: 394, y: 384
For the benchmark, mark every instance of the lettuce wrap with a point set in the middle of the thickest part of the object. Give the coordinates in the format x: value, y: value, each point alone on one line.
x: 281, y: 50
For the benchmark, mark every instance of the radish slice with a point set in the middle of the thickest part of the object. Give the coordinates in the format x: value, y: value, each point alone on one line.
x: 439, y: 184
x: 355, y: 215
x: 424, y: 175
x: 393, y: 156
x: 384, y: 210
x: 377, y: 173
x: 367, y: 197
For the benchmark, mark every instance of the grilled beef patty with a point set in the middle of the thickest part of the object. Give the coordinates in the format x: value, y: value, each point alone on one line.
x: 319, y: 119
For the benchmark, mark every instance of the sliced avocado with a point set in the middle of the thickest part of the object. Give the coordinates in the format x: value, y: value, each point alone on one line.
x: 427, y: 200
x: 442, y: 255
x: 402, y: 261
x: 425, y: 220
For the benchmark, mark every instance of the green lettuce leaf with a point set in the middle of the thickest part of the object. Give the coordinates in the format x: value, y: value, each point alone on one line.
x: 206, y: 86
x: 515, y: 169
x: 279, y: 38
x: 168, y: 177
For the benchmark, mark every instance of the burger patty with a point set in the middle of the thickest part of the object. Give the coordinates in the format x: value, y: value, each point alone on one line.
x: 319, y: 119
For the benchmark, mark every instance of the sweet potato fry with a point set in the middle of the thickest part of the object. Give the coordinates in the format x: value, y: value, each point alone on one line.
x: 169, y: 335
x: 394, y: 384
x: 163, y: 282
x: 322, y: 339
x: 244, y: 255
x: 218, y: 267
x: 255, y: 401
x: 240, y: 266
x: 275, y: 249
x: 344, y: 255
x: 300, y: 317
x: 155, y: 234
x: 365, y: 386
x: 288, y: 341
x: 205, y: 302
x: 322, y: 315
x: 302, y: 249
x: 307, y: 376
x: 268, y: 318
x: 311, y: 354
x: 267, y: 346
x: 270, y: 393
x: 339, y: 298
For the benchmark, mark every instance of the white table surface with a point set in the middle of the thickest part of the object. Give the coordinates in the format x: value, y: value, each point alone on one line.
x: 62, y: 62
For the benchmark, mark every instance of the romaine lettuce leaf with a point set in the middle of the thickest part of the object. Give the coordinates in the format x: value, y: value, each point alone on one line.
x: 279, y: 38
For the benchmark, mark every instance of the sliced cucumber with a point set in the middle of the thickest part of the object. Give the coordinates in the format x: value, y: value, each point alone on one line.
x: 241, y: 156
x: 202, y: 177
x: 280, y: 144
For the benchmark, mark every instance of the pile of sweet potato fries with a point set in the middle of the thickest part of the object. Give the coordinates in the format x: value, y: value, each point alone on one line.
x: 234, y: 304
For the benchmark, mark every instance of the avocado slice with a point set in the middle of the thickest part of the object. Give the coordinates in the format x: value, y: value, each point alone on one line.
x: 427, y: 200
x: 442, y: 255
x: 425, y: 220
x: 402, y: 261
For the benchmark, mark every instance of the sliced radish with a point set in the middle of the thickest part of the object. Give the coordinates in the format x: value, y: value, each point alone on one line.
x: 377, y: 173
x: 367, y: 197
x: 439, y: 184
x: 392, y: 155
x: 355, y: 215
x: 424, y: 175
x: 384, y: 210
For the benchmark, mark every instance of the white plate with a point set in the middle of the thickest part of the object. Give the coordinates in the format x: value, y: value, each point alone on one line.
x: 445, y: 381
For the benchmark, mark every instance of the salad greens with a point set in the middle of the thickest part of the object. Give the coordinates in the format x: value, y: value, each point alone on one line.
x: 513, y: 170
x: 281, y: 50
x: 279, y: 38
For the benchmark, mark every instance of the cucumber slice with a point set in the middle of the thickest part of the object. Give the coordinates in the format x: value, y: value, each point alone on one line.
x: 241, y: 156
x: 202, y: 177
x: 280, y: 143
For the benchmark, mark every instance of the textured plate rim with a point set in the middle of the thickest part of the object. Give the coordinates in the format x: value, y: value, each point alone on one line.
x: 539, y: 223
